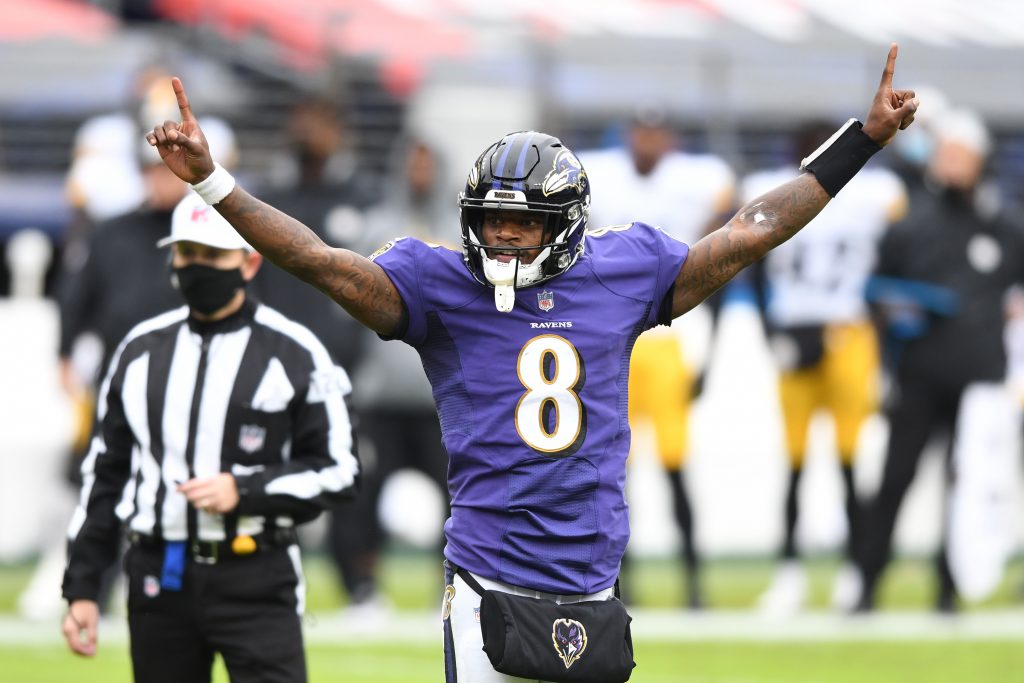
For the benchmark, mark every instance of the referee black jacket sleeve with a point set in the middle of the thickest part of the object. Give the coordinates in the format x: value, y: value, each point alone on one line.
x: 94, y: 534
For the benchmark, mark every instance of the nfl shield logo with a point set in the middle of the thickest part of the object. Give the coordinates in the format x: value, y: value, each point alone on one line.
x: 546, y: 301
x: 150, y: 586
x: 251, y: 438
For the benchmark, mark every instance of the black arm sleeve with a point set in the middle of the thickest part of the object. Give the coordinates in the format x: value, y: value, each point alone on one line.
x: 95, y: 529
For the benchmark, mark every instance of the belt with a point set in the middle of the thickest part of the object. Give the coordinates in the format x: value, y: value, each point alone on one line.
x: 212, y: 552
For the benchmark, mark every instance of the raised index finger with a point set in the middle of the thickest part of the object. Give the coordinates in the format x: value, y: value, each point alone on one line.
x: 890, y: 67
x: 183, y: 105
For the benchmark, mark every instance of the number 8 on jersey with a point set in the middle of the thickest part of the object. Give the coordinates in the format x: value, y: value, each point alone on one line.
x: 552, y: 372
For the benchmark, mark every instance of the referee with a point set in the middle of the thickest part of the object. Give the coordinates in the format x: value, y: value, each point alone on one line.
x: 220, y: 427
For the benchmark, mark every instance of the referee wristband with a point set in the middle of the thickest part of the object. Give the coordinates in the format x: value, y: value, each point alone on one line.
x: 215, y: 186
x: 840, y: 157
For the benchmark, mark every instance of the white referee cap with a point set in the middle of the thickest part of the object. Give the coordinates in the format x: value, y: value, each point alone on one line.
x: 194, y: 220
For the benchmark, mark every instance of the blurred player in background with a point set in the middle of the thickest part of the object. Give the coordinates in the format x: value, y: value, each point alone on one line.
x: 123, y: 198
x: 398, y: 426
x: 686, y: 195
x: 823, y: 340
x: 123, y: 195
x: 321, y: 182
x: 105, y: 284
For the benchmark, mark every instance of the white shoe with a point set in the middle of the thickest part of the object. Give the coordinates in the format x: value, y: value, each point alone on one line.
x: 787, y: 592
x: 846, y: 588
x: 41, y: 599
x: 37, y: 606
x: 372, y: 612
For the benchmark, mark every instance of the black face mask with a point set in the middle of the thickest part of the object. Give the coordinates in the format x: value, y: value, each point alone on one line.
x: 207, y: 289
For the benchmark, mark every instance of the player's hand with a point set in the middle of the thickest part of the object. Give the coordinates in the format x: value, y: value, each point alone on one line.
x: 216, y: 495
x: 891, y: 110
x: 80, y: 627
x: 182, y: 145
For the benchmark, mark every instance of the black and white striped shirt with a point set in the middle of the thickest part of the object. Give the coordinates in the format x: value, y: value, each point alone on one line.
x: 255, y: 394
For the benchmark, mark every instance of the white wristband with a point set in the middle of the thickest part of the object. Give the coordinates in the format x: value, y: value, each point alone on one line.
x: 215, y: 186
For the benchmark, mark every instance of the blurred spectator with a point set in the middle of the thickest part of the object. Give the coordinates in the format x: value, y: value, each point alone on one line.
x: 823, y: 340
x: 398, y: 423
x: 685, y: 195
x: 105, y: 179
x: 113, y: 288
x: 321, y: 184
x: 126, y: 200
x: 914, y: 150
x: 941, y: 280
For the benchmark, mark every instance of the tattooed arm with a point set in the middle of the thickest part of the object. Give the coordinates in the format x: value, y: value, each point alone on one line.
x: 356, y: 283
x: 773, y: 218
x: 757, y: 228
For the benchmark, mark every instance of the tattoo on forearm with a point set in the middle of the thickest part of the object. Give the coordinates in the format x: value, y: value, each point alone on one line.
x: 756, y: 229
x: 356, y: 283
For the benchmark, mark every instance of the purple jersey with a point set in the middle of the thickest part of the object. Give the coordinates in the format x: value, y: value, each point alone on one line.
x: 533, y: 402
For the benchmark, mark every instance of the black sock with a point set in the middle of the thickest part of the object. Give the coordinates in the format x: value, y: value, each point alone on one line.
x: 792, y: 512
x: 852, y: 509
x: 683, y: 514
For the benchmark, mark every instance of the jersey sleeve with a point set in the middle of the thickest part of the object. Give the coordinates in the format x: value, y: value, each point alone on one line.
x: 639, y: 261
x: 672, y: 255
x: 400, y: 259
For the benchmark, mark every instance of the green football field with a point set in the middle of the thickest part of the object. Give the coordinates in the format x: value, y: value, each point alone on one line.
x: 725, y: 644
x: 712, y: 662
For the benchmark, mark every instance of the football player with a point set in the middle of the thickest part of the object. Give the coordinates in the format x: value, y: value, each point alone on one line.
x: 823, y: 340
x: 526, y: 336
x: 686, y: 195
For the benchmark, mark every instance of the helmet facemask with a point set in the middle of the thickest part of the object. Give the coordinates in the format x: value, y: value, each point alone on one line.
x: 561, y: 244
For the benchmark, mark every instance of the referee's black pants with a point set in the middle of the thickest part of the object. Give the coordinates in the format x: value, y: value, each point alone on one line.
x: 925, y: 407
x: 245, y: 608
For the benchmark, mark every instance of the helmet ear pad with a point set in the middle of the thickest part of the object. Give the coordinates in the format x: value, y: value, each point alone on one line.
x: 534, y: 172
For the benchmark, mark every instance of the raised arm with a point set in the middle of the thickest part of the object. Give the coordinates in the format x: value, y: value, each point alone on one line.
x: 360, y: 286
x: 774, y: 217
